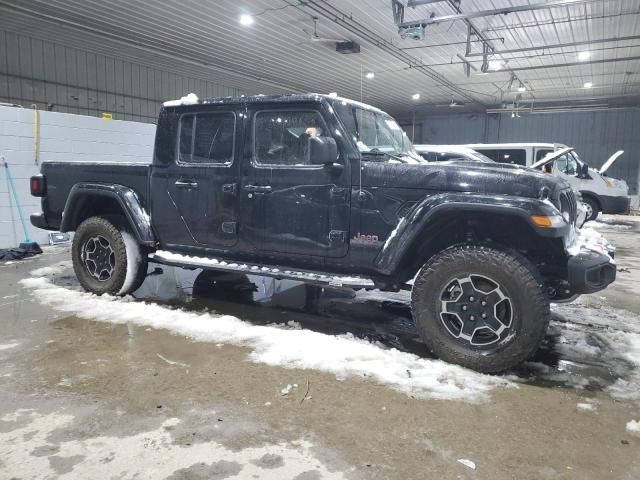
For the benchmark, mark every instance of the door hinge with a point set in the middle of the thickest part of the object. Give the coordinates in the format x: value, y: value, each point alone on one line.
x: 229, y: 227
x: 230, y: 188
x: 337, y: 236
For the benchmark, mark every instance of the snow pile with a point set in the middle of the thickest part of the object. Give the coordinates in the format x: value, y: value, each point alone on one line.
x: 633, y: 426
x: 190, y: 99
x: 587, y: 239
x: 342, y: 355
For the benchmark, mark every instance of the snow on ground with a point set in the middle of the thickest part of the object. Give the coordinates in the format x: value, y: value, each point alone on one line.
x: 25, y: 446
x: 611, y: 226
x: 54, y: 269
x: 633, y: 426
x: 341, y: 355
x: 7, y: 346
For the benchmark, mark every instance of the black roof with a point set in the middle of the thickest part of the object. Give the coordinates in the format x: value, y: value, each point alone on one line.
x: 290, y: 98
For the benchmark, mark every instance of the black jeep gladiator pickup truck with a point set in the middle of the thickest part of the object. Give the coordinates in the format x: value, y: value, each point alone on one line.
x: 330, y: 191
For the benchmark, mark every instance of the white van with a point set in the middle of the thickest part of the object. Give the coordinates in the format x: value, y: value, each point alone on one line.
x: 599, y: 192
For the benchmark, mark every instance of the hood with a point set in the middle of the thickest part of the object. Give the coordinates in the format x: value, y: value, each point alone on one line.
x: 485, y: 178
x: 612, y: 159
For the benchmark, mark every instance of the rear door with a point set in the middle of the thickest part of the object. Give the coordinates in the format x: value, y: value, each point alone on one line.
x: 289, y: 206
x: 199, y: 205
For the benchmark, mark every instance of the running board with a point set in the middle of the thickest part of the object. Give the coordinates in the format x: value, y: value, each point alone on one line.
x: 178, y: 260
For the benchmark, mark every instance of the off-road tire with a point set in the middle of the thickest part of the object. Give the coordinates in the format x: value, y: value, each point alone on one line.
x: 112, y: 230
x: 517, y: 278
x: 595, y: 208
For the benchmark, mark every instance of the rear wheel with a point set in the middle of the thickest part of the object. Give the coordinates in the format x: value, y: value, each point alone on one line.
x: 480, y: 307
x: 592, y: 207
x: 107, y: 258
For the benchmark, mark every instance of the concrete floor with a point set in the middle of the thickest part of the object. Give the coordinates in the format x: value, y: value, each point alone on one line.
x: 86, y: 399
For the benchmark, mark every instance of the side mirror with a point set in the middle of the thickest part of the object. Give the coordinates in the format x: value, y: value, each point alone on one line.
x: 322, y: 150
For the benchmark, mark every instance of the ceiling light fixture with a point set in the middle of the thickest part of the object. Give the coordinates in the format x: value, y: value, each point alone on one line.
x: 370, y: 75
x: 588, y: 84
x: 416, y: 96
x: 496, y: 65
x: 583, y: 56
x: 522, y: 88
x: 246, y: 20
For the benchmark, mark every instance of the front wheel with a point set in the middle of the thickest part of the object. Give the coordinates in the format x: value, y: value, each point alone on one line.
x: 592, y: 208
x: 480, y: 307
x: 107, y: 258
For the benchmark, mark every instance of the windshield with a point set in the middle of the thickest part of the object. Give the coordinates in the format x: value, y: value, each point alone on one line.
x: 376, y: 133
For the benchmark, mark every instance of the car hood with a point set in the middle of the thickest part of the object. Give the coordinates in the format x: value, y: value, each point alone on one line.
x: 467, y: 176
x: 610, y: 162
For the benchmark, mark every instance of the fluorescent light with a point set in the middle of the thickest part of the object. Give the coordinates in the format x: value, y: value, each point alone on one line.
x: 496, y: 65
x: 333, y: 94
x: 583, y: 56
x: 588, y: 84
x: 416, y: 96
x: 246, y: 20
x: 370, y: 75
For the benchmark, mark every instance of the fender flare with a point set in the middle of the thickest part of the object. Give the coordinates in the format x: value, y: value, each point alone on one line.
x: 594, y: 195
x: 423, y: 213
x: 137, y: 217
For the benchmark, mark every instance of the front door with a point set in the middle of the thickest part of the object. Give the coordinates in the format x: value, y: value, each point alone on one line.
x: 201, y: 198
x: 290, y: 206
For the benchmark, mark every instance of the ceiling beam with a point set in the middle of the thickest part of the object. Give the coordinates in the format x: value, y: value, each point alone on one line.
x: 497, y: 11
x: 572, y: 64
x: 559, y: 45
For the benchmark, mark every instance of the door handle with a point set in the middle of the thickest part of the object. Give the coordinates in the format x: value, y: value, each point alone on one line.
x: 190, y: 184
x: 257, y: 188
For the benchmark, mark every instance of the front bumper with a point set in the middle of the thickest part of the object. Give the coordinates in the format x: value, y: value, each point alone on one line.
x: 590, y: 272
x: 591, y: 266
x: 613, y: 205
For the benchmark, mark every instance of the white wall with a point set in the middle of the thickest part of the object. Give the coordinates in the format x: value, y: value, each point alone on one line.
x: 62, y: 137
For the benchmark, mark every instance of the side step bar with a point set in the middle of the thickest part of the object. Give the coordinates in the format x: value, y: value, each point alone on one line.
x: 178, y: 260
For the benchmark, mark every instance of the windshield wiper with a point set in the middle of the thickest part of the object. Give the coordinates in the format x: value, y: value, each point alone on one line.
x: 377, y: 151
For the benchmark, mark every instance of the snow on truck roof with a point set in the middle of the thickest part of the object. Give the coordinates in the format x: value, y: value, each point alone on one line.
x: 192, y: 99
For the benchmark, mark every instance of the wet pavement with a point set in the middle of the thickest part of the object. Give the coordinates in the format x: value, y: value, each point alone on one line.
x: 82, y: 398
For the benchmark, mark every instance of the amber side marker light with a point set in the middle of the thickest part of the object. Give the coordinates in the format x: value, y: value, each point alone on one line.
x: 542, y: 220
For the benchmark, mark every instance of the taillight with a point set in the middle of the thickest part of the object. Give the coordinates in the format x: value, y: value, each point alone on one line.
x: 38, y: 186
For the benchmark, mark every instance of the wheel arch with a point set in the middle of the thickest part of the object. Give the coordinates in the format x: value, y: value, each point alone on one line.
x: 421, y: 234
x: 592, y: 195
x: 87, y: 200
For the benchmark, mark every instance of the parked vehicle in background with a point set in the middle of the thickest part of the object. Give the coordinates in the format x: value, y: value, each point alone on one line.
x: 600, y: 193
x: 445, y: 153
x: 329, y: 191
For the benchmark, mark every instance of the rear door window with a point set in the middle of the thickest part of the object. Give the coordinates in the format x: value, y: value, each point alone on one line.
x: 207, y: 138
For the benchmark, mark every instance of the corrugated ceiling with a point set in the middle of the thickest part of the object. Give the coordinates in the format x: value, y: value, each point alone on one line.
x: 278, y: 52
